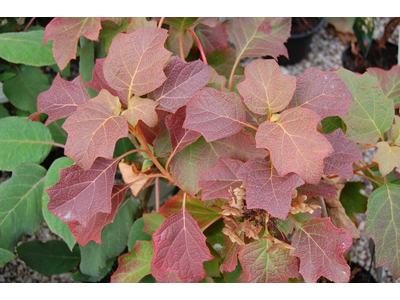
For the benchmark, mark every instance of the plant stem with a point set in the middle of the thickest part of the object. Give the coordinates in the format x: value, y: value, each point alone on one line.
x: 57, y: 145
x: 365, y: 167
x: 232, y: 73
x: 161, y: 21
x: 181, y: 45
x: 130, y: 152
x: 364, y: 176
x: 29, y: 24
x: 203, y: 56
x: 157, y: 183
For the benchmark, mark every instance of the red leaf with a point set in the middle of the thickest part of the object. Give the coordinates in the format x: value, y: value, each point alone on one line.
x: 180, y: 137
x: 295, y: 144
x: 323, y: 92
x: 215, y: 182
x: 164, y: 277
x: 215, y: 114
x: 388, y: 81
x: 212, y: 38
x: 265, y: 89
x: 99, y: 220
x: 188, y: 164
x: 80, y: 194
x: 152, y: 222
x: 62, y: 99
x: 93, y: 131
x: 99, y: 82
x: 267, y: 190
x: 141, y: 109
x: 183, y: 81
x: 346, y: 151
x: 321, y: 189
x: 180, y: 247
x: 135, y: 61
x: 320, y: 246
x: 150, y: 133
x: 204, y: 216
x: 231, y: 256
x: 259, y: 266
x: 66, y: 33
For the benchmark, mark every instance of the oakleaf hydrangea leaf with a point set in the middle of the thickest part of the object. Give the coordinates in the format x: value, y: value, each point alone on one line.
x: 389, y: 82
x: 62, y: 99
x: 320, y: 246
x: 139, y: 22
x: 371, y: 113
x: 323, y: 92
x: 215, y: 114
x: 382, y: 225
x: 295, y: 144
x: 346, y: 152
x: 183, y: 81
x: 135, y: 61
x: 215, y: 182
x: 322, y: 189
x: 265, y: 89
x: 93, y: 131
x: 267, y: 190
x: 21, y: 204
x: 396, y: 131
x: 80, y: 194
x: 134, y: 265
x: 141, y: 109
x: 387, y: 157
x: 180, y: 247
x: 212, y: 38
x: 259, y: 266
x: 66, y: 33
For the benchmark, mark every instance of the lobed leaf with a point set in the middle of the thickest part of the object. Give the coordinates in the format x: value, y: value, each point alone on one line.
x: 267, y: 190
x: 320, y: 246
x: 135, y: 61
x: 20, y: 204
x: 183, y: 81
x: 215, y: 114
x: 5, y: 257
x: 173, y: 42
x: 382, y: 225
x: 387, y: 157
x: 265, y: 89
x: 66, y: 33
x: 212, y: 38
x: 80, y: 194
x: 62, y: 99
x: 322, y: 189
x: 389, y: 82
x: 180, y: 247
x: 152, y: 222
x: 323, y: 92
x: 346, y: 152
x: 295, y: 144
x: 137, y: 234
x: 140, y: 22
x: 141, y: 109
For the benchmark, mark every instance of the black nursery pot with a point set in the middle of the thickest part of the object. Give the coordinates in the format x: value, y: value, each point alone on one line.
x: 384, y: 58
x: 298, y: 45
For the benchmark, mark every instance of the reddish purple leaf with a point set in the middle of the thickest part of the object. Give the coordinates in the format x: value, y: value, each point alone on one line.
x: 259, y: 266
x: 266, y: 90
x: 141, y: 109
x: 80, y: 194
x: 346, y: 151
x: 389, y: 82
x: 215, y: 182
x: 323, y: 92
x: 188, y: 164
x: 66, y: 33
x: 215, y: 114
x: 180, y: 137
x: 295, y: 144
x: 231, y: 257
x: 322, y: 189
x: 139, y: 22
x: 99, y: 82
x: 93, y: 131
x: 183, y: 81
x: 180, y: 247
x: 135, y: 61
x: 267, y: 190
x: 150, y: 133
x: 320, y: 246
x: 164, y: 277
x: 212, y: 38
x: 62, y: 99
x: 99, y: 220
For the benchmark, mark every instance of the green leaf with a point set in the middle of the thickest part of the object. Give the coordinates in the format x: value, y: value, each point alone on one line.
x: 108, y: 31
x: 3, y: 111
x: 58, y: 134
x: 330, y: 124
x: 124, y: 145
x: 20, y: 204
x: 26, y: 48
x: 352, y: 200
x: 133, y: 266
x: 23, y: 89
x: 50, y: 258
x: 5, y: 256
x: 7, y: 75
x: 114, y: 237
x: 55, y: 224
x: 180, y: 23
x: 78, y: 276
x: 382, y: 225
x: 212, y: 266
x: 137, y: 234
x: 22, y: 143
x: 148, y: 279
x: 152, y: 221
x: 3, y: 98
x: 215, y: 237
x: 371, y: 114
x: 86, y: 62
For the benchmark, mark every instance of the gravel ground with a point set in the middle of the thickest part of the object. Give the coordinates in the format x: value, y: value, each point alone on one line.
x: 325, y: 54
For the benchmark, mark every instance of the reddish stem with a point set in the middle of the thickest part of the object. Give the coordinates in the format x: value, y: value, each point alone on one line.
x: 203, y: 56
x: 157, y: 183
x: 161, y: 21
x: 29, y: 24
